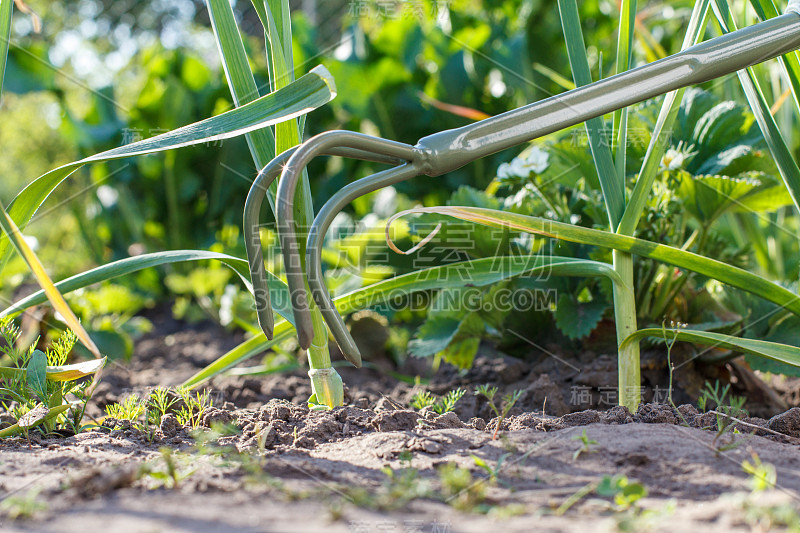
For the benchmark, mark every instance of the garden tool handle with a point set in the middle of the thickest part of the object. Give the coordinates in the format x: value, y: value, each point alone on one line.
x: 451, y: 149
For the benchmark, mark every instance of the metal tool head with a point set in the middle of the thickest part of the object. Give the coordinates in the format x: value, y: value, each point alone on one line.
x: 344, y: 144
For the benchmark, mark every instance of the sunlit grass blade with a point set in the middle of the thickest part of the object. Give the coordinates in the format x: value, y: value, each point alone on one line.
x: 240, y: 77
x: 251, y: 347
x: 723, y: 272
x: 481, y: 272
x: 43, y: 279
x: 766, y: 9
x: 279, y: 292
x: 771, y: 350
x: 51, y: 414
x: 309, y: 92
x: 784, y: 160
x: 554, y: 76
x: 652, y: 47
x: 6, y: 7
x: 619, y: 124
x: 287, y: 134
x: 280, y: 39
x: 613, y: 189
x: 62, y: 372
x: 659, y: 140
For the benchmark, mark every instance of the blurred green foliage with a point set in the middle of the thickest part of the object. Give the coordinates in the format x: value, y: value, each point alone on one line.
x: 396, y: 73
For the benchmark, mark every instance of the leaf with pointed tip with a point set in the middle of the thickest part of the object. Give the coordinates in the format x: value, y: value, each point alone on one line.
x: 770, y: 350
x: 15, y: 429
x: 56, y: 299
x: 306, y: 94
x: 60, y: 373
x: 34, y: 416
x: 279, y: 292
x: 36, y: 374
x: 725, y: 273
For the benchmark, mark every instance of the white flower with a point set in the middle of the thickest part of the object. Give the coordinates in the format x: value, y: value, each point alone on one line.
x: 504, y: 171
x: 536, y: 161
x: 673, y: 159
x: 385, y: 202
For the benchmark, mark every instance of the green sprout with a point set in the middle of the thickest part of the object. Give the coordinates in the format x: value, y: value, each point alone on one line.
x: 129, y: 409
x: 624, y: 492
x: 727, y: 409
x: 442, y: 405
x: 763, y: 476
x: 159, y: 402
x: 23, y: 506
x: 585, y: 446
x: 492, y: 471
x: 505, y: 407
x: 166, y: 471
x: 194, y: 407
x: 459, y: 489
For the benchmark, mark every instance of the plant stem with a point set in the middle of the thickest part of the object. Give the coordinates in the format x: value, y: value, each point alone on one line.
x: 325, y: 381
x: 326, y: 384
x: 625, y: 318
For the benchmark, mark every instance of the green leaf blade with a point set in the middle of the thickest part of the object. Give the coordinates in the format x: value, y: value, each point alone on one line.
x: 783, y: 353
x: 309, y: 92
x: 725, y: 273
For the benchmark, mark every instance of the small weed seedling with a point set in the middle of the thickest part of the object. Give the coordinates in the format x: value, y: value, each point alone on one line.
x: 194, y: 407
x: 145, y: 414
x: 401, y: 486
x: 727, y: 408
x: 22, y: 506
x: 460, y: 490
x: 508, y: 403
x: 159, y: 403
x: 171, y: 474
x: 440, y: 406
x: 625, y: 493
x: 763, y: 476
x: 585, y: 446
x: 670, y: 342
x: 492, y: 471
x: 129, y: 409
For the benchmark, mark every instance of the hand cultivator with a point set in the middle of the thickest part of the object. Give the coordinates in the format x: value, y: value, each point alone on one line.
x: 446, y: 151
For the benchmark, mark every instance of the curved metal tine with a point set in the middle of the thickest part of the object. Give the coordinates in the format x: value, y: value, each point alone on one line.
x: 252, y: 239
x: 252, y: 210
x: 316, y: 236
x: 315, y: 146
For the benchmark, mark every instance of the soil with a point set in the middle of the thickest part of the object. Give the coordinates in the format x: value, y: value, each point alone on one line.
x: 271, y: 464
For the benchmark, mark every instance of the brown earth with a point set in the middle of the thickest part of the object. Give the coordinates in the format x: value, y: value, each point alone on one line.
x: 371, y: 466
